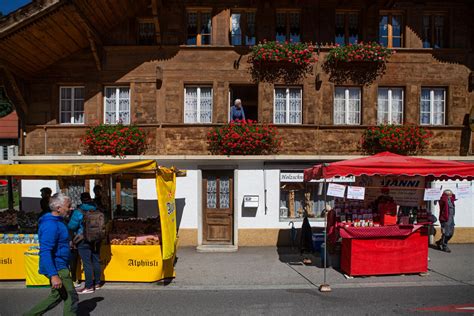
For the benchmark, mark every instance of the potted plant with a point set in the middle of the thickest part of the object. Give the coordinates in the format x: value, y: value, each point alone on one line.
x: 244, y: 137
x: 297, y: 54
x: 399, y: 139
x: 115, y: 140
x: 367, y: 52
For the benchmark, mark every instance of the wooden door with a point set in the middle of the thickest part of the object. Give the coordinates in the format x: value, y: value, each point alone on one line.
x: 218, y: 210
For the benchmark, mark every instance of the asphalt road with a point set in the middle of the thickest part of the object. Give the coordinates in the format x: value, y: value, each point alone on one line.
x: 341, y: 301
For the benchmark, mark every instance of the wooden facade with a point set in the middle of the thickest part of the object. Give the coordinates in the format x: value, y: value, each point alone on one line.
x: 95, y: 44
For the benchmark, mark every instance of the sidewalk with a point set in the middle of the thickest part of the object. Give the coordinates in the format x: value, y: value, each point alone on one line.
x: 271, y: 267
x: 281, y: 268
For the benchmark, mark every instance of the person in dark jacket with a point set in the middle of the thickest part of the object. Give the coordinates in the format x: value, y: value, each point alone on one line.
x: 88, y: 251
x: 54, y: 257
x: 446, y: 218
x: 44, y: 202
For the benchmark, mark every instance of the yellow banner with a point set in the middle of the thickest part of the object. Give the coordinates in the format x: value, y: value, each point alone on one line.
x: 33, y: 278
x: 133, y: 264
x: 12, y: 261
x: 166, y: 189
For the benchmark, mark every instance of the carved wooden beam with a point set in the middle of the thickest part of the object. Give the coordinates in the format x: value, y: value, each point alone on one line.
x: 156, y: 5
x: 13, y: 91
x: 92, y: 34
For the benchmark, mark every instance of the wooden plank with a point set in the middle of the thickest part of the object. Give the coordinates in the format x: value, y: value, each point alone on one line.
x: 64, y: 24
x: 34, y: 47
x: 45, y: 28
x: 102, y: 18
x: 156, y: 6
x: 25, y: 50
x: 93, y: 18
x: 60, y: 36
x: 18, y: 70
x: 41, y: 38
x: 17, y: 57
x: 14, y: 91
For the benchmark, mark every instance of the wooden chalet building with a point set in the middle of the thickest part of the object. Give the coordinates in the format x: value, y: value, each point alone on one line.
x: 175, y: 67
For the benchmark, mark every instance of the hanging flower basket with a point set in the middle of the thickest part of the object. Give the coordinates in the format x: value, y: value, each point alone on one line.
x: 298, y: 54
x: 360, y: 52
x: 115, y: 140
x: 272, y: 61
x: 399, y: 139
x: 244, y: 137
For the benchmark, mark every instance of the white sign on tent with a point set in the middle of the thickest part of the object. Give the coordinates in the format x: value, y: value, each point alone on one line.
x: 336, y: 190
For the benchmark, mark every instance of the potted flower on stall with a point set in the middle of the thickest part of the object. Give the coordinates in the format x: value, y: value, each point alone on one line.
x: 399, y: 139
x: 271, y: 60
x: 244, y: 137
x: 115, y: 140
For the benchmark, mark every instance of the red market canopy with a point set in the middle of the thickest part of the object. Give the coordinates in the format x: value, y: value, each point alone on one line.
x: 386, y: 163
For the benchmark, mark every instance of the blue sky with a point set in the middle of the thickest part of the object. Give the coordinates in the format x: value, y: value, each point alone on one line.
x: 7, y: 6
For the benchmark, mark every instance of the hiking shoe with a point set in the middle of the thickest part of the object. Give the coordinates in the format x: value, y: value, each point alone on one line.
x: 100, y: 285
x: 77, y: 284
x: 438, y: 244
x: 85, y: 290
x: 446, y: 249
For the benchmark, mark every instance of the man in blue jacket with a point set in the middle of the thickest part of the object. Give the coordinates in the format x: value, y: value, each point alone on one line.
x: 54, y: 257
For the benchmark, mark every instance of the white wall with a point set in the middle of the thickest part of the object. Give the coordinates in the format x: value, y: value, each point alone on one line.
x: 464, y: 207
x: 31, y: 188
x: 186, y: 189
x: 250, y: 182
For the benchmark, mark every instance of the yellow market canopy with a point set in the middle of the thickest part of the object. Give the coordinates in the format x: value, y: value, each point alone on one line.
x: 165, y: 186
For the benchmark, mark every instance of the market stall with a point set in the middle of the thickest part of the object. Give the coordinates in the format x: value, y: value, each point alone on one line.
x: 130, y: 254
x: 384, y: 235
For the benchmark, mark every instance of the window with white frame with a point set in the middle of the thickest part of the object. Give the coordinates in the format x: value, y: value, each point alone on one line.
x: 390, y: 106
x: 433, y: 106
x: 287, y: 106
x: 117, y: 105
x: 347, y: 106
x: 197, y: 104
x: 71, y: 103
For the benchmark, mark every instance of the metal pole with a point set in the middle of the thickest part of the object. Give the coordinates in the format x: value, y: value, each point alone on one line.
x: 325, y: 287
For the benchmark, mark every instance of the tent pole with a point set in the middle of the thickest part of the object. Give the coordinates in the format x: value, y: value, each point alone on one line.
x: 325, y: 287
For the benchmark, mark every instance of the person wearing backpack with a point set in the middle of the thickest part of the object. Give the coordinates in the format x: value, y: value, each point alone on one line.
x: 88, y: 225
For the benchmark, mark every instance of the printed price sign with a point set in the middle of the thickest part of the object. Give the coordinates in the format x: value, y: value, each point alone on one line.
x: 432, y: 194
x: 336, y: 190
x: 463, y: 191
x: 355, y: 193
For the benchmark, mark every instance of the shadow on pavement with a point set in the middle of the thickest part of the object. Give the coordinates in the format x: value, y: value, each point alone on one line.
x: 86, y: 307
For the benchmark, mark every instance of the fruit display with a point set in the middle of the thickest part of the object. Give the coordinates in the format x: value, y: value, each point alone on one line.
x: 18, y: 221
x: 135, y: 231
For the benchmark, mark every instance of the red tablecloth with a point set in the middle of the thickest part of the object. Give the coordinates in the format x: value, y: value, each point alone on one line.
x: 376, y: 232
x: 389, y: 254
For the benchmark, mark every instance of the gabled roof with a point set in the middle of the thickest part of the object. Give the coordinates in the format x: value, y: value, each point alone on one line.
x: 45, y: 31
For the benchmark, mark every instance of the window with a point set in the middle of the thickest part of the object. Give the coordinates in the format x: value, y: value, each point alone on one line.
x: 71, y: 103
x: 288, y: 26
x: 124, y: 197
x: 197, y: 104
x: 199, y: 27
x: 433, y: 105
x: 117, y: 105
x: 390, y: 106
x: 434, y: 31
x: 347, y: 106
x: 391, y: 30
x: 146, y: 32
x: 287, y: 106
x: 347, y: 28
x: 242, y: 28
x: 297, y: 196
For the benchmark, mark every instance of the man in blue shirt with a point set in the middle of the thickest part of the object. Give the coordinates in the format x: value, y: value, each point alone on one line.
x: 54, y: 257
x: 237, y: 111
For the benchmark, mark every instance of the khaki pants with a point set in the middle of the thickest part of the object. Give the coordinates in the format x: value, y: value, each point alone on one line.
x: 66, y: 293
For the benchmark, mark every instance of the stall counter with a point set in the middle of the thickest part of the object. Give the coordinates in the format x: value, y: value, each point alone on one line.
x: 384, y: 250
x: 12, y: 261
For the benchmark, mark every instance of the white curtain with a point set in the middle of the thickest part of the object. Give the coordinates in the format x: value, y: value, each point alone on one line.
x: 354, y: 106
x: 382, y: 106
x: 124, y: 105
x: 206, y: 105
x: 390, y: 106
x: 425, y: 117
x: 198, y: 105
x: 438, y: 106
x: 339, y: 106
x: 295, y: 106
x: 280, y: 106
x: 190, y: 105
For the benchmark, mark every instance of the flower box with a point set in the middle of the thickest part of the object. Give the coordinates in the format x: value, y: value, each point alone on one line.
x: 360, y: 52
